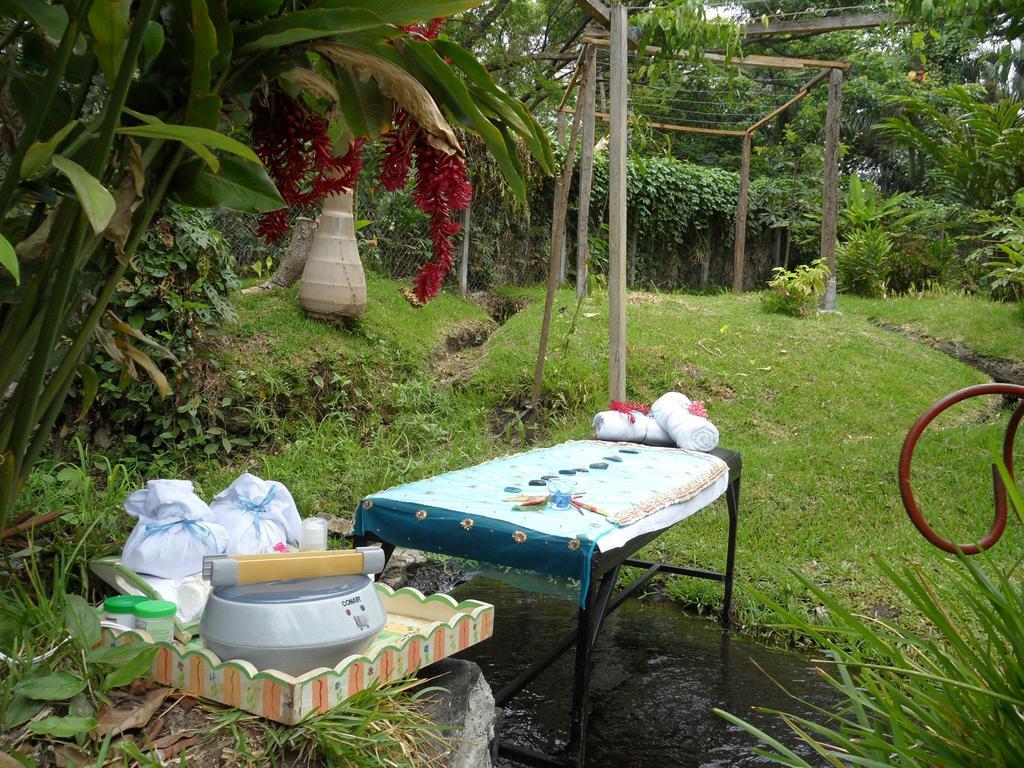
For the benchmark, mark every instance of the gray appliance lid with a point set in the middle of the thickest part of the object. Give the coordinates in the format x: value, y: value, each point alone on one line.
x: 293, y: 590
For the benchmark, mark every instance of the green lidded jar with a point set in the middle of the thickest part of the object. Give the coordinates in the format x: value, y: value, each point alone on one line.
x: 120, y: 609
x: 157, y: 618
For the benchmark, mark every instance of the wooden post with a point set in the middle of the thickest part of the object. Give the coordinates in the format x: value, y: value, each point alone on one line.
x: 619, y: 107
x: 464, y: 266
x: 830, y: 199
x: 739, y: 252
x: 587, y: 93
x: 557, y: 240
x: 560, y: 137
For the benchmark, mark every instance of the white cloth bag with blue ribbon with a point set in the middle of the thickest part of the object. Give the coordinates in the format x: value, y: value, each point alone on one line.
x: 259, y: 515
x: 175, y: 530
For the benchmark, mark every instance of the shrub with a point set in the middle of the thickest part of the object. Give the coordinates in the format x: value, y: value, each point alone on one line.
x: 797, y: 292
x: 951, y: 696
x: 175, y: 292
x: 864, y: 262
x: 1004, y: 252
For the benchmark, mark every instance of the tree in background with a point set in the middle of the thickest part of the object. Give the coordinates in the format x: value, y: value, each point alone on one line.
x: 117, y: 106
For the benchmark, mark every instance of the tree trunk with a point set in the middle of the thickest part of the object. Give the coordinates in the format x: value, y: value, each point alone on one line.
x: 333, y: 285
x: 294, y: 260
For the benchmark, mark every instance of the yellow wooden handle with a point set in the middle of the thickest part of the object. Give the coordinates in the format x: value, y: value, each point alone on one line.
x: 297, y: 565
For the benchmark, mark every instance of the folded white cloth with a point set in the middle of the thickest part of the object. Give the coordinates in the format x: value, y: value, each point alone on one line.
x: 615, y: 425
x: 687, y: 430
x: 259, y: 515
x: 175, y: 530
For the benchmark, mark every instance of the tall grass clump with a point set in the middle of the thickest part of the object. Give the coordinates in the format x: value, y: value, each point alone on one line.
x: 950, y: 696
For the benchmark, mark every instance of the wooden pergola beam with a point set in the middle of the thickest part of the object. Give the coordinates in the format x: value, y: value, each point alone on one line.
x: 820, y: 25
x: 764, y: 62
x: 799, y: 95
x: 599, y: 12
x: 605, y: 117
x: 572, y: 82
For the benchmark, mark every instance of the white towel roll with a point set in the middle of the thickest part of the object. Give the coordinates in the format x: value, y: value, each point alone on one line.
x: 694, y: 433
x: 615, y: 425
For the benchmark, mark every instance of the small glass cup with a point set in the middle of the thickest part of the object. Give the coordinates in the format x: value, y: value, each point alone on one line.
x: 560, y: 489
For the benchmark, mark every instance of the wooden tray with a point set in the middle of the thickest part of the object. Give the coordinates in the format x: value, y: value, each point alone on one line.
x: 419, y: 631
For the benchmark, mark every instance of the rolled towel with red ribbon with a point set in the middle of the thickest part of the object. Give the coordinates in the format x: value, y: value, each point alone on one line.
x: 685, y: 422
x: 630, y: 427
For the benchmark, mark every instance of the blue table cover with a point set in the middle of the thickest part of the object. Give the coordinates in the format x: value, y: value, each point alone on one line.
x: 465, y: 513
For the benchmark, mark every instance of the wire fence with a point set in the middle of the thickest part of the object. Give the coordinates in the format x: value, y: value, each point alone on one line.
x: 513, y: 250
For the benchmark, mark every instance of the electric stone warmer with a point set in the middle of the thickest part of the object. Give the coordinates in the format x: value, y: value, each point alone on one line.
x: 327, y: 610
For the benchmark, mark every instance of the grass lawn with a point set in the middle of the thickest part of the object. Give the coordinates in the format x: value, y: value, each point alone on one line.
x: 818, y: 407
x: 987, y: 327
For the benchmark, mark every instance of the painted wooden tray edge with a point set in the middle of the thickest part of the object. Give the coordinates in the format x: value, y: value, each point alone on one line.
x: 287, y: 699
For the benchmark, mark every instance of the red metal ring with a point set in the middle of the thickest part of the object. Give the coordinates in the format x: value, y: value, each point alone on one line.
x: 999, y: 487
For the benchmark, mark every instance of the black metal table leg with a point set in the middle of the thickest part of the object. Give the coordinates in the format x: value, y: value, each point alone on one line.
x: 732, y: 500
x: 591, y: 616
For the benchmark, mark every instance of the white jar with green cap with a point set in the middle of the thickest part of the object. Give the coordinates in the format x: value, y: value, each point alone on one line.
x: 156, y: 617
x: 119, y: 609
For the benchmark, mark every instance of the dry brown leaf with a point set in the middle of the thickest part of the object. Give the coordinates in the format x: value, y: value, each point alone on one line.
x: 6, y: 761
x: 172, y: 738
x: 127, y: 197
x: 312, y: 82
x: 119, y: 325
x: 140, y: 357
x: 109, y: 345
x: 179, y: 746
x: 67, y: 756
x: 120, y: 719
x: 399, y: 85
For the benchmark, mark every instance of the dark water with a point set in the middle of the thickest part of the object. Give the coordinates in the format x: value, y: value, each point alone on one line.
x: 658, y: 672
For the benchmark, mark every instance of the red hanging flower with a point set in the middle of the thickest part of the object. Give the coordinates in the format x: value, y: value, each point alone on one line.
x: 430, y: 30
x: 293, y: 143
x: 442, y: 188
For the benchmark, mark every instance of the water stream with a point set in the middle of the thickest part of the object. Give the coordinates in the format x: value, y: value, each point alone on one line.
x: 658, y: 672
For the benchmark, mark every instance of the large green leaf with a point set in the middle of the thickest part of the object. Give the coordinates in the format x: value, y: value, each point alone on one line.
x: 238, y: 185
x: 49, y: 18
x: 225, y: 34
x: 9, y: 259
x: 63, y: 727
x: 81, y: 620
x: 510, y: 109
x: 208, y: 156
x: 133, y: 668
x: 25, y: 94
x: 21, y: 709
x: 191, y: 134
x: 305, y: 25
x: 152, y: 43
x: 203, y: 108
x: 109, y: 24
x: 427, y: 62
x: 366, y: 111
x: 39, y: 153
x: 403, y: 11
x: 55, y: 686
x: 95, y: 199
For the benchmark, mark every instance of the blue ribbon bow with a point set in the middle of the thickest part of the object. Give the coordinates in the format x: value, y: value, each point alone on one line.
x: 196, y: 528
x: 258, y: 509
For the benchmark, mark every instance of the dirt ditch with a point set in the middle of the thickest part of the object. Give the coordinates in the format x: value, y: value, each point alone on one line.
x: 999, y: 369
